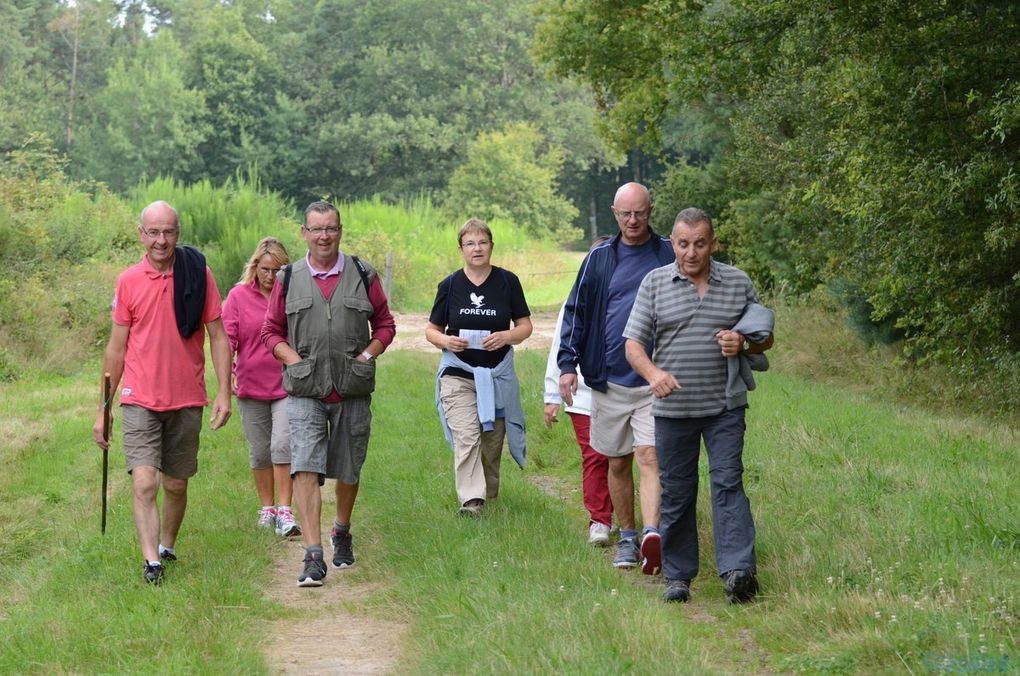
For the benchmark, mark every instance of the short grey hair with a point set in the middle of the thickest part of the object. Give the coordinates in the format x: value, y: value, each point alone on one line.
x: 694, y: 216
x: 322, y: 207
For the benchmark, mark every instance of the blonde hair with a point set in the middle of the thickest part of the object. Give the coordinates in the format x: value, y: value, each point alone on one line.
x: 474, y: 225
x: 269, y: 246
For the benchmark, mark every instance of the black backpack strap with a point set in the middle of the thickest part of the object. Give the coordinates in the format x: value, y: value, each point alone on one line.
x: 362, y: 272
x: 449, y: 292
x: 286, y: 280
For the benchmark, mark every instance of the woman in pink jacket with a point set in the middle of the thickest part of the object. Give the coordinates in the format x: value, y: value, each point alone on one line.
x: 258, y: 384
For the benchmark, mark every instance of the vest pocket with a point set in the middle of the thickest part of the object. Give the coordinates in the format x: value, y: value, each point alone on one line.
x: 359, y: 378
x: 297, y: 304
x: 298, y: 380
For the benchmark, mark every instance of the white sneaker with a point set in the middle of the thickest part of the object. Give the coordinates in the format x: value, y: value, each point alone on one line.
x: 267, y: 518
x: 598, y: 534
x: 286, y: 525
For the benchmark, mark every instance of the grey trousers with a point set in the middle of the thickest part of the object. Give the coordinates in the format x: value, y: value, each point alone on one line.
x: 677, y: 445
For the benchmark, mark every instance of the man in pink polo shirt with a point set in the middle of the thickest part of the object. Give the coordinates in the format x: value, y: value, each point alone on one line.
x: 161, y: 308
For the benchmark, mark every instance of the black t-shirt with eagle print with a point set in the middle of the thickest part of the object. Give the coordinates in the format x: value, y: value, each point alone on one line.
x: 490, y: 306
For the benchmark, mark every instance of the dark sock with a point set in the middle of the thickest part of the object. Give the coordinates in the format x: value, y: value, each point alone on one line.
x: 628, y: 533
x: 341, y: 527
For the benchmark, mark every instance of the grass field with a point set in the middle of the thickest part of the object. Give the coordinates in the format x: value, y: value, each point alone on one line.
x: 887, y: 538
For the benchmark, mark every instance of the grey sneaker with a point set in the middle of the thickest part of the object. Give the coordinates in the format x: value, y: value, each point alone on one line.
x: 314, y: 570
x: 677, y: 590
x: 598, y: 534
x: 153, y: 573
x: 343, y: 548
x: 286, y: 525
x: 740, y: 585
x: 267, y: 517
x: 627, y: 554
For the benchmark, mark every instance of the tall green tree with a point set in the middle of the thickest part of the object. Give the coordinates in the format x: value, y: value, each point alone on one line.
x: 148, y: 123
x: 874, y: 141
x: 398, y: 90
x: 508, y: 175
x: 238, y: 77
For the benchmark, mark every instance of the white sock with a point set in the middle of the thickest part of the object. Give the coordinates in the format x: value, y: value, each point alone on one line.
x: 165, y: 550
x: 154, y: 563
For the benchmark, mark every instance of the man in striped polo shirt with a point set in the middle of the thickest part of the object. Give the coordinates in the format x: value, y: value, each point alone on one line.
x: 687, y: 311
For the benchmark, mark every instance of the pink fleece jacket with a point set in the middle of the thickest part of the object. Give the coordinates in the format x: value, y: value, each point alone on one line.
x: 259, y: 375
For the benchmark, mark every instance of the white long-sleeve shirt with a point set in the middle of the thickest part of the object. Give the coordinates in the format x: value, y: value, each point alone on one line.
x: 582, y: 398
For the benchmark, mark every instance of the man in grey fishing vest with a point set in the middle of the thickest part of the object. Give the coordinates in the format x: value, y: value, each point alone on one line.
x: 327, y: 321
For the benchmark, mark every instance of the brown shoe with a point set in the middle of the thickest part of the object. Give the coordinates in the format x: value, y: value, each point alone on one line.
x: 472, y: 507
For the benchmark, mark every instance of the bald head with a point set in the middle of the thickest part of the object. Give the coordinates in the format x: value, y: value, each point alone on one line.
x: 633, y: 192
x: 632, y: 208
x: 159, y: 211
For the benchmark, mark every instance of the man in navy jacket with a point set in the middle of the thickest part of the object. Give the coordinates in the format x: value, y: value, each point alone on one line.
x: 595, y: 315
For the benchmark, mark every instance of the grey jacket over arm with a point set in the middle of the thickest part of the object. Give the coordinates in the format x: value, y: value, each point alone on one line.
x: 756, y: 324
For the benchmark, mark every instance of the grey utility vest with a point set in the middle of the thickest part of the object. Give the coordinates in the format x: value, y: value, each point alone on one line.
x: 329, y: 334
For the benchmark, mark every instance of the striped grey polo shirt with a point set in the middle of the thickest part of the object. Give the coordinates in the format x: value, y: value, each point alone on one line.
x: 669, y: 314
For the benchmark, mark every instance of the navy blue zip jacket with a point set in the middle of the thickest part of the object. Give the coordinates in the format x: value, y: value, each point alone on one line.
x: 583, y: 338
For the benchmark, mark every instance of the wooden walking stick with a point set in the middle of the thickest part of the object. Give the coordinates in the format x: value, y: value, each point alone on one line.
x: 107, y: 397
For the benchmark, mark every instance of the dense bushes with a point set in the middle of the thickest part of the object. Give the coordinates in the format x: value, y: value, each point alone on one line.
x: 62, y: 244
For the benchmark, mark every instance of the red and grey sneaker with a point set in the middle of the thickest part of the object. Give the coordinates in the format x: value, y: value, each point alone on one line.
x: 651, y: 553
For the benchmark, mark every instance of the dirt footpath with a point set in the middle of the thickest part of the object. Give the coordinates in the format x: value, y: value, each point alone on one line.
x: 329, y: 637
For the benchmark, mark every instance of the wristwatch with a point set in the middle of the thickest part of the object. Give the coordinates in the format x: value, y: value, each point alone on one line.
x: 367, y: 355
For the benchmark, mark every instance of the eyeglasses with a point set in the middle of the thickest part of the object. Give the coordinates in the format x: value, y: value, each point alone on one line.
x: 267, y: 271
x: 481, y: 244
x: 625, y: 215
x: 168, y: 234
x: 329, y: 230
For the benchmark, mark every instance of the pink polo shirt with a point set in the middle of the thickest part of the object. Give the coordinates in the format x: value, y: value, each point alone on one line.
x: 162, y: 371
x: 258, y: 373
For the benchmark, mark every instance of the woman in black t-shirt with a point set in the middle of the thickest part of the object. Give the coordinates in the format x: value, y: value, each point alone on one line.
x: 471, y: 318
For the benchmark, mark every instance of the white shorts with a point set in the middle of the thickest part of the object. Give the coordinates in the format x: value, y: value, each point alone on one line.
x: 621, y: 419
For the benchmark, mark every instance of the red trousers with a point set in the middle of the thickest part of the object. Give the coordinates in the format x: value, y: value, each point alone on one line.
x: 594, y: 473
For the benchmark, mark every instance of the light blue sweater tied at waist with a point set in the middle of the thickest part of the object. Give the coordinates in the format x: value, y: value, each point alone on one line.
x: 497, y: 394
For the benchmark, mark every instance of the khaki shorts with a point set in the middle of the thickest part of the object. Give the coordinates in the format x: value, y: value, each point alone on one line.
x: 166, y: 440
x: 621, y: 419
x: 267, y: 431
